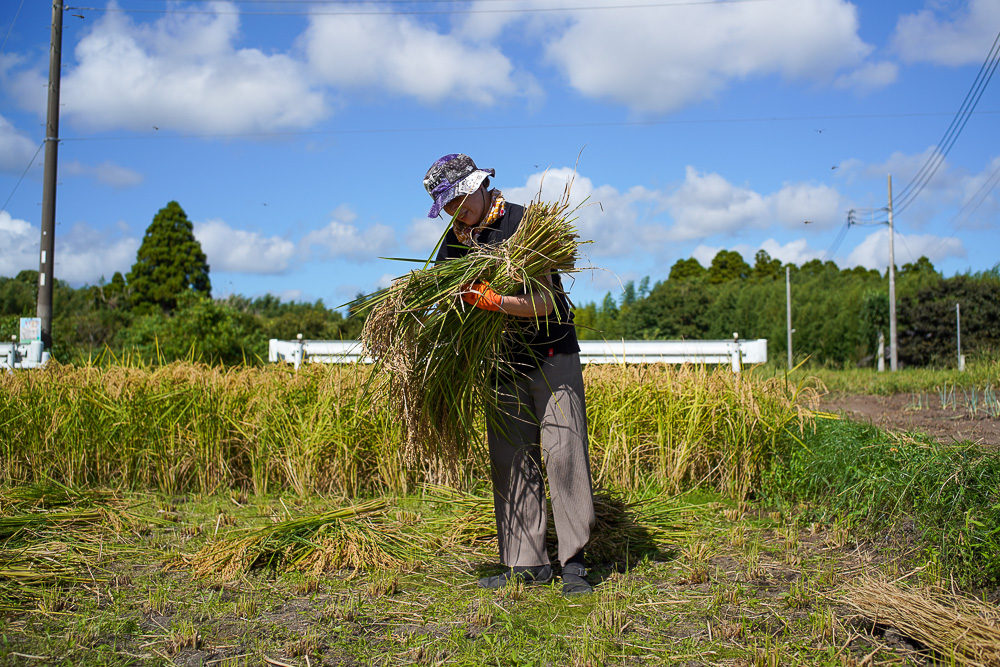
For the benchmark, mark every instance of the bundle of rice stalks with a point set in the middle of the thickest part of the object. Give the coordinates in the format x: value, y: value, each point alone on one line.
x: 625, y: 531
x: 47, y: 496
x: 962, y: 630
x: 91, y: 524
x: 472, y: 523
x: 30, y: 572
x: 441, y: 353
x: 360, y: 537
x: 628, y: 530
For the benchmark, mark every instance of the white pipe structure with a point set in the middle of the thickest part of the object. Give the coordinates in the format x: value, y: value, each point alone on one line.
x: 16, y: 356
x: 734, y: 352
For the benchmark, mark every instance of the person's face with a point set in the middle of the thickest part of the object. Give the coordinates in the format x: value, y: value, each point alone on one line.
x: 469, y: 209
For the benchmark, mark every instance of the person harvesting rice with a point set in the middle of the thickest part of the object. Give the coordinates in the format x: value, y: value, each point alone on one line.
x: 540, y: 407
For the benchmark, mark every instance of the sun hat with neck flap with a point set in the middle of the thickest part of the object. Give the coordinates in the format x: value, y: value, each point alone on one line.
x: 454, y: 175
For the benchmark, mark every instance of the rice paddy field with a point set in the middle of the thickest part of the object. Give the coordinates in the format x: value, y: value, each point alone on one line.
x: 188, y: 515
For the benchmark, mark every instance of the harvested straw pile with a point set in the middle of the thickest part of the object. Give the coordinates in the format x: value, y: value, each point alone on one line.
x: 625, y: 531
x: 440, y: 353
x: 53, y: 535
x: 360, y: 537
x: 962, y: 630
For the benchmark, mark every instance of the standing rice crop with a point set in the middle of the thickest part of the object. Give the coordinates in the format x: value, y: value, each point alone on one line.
x: 442, y: 355
x: 681, y: 427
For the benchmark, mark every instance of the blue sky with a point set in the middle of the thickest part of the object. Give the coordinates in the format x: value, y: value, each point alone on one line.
x: 295, y: 134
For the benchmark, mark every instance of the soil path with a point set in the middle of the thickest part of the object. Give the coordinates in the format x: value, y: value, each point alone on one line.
x: 908, y: 412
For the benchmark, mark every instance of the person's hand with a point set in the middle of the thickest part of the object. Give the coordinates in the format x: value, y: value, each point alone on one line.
x: 481, y: 295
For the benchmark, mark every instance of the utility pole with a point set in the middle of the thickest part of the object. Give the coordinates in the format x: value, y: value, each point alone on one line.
x: 48, y: 223
x: 788, y: 305
x: 958, y: 334
x: 892, y: 290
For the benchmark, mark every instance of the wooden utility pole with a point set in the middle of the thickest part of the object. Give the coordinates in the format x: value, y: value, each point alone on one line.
x: 892, y: 289
x: 48, y: 222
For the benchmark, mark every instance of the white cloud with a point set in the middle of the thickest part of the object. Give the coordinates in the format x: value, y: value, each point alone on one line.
x: 924, y: 194
x: 964, y: 38
x: 341, y: 238
x: 873, y: 252
x: 705, y: 254
x: 184, y: 73
x: 240, y: 251
x: 707, y: 204
x: 611, y: 219
x: 16, y: 150
x: 20, y: 243
x: 869, y: 77
x: 83, y: 254
x: 657, y: 60
x: 399, y: 54
x: 795, y: 252
x: 424, y: 234
x: 106, y: 172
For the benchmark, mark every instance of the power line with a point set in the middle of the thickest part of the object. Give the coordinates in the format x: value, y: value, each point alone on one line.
x: 11, y: 29
x: 521, y: 10
x: 25, y: 173
x: 934, y: 161
x: 970, y: 206
x: 533, y: 126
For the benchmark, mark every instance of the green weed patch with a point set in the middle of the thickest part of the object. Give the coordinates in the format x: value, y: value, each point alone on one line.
x: 877, y: 480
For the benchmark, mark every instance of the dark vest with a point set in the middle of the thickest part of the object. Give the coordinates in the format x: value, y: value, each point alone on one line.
x: 528, y: 340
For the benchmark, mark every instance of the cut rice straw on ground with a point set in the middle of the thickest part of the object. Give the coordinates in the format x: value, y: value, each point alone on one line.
x: 360, y: 537
x: 625, y: 531
x: 441, y: 353
x: 958, y: 629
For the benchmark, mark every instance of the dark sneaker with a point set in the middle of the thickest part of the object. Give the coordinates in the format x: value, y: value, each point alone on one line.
x: 529, y: 575
x: 574, y: 578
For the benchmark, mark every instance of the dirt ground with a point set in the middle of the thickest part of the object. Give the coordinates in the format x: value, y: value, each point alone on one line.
x: 908, y: 412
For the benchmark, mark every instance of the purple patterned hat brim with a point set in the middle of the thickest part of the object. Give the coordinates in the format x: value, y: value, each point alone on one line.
x: 452, y: 176
x: 466, y: 186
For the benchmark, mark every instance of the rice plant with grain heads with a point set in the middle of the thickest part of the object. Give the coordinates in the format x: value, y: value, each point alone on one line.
x: 440, y: 354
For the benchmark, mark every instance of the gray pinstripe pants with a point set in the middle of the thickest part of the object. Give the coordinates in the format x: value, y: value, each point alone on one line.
x: 543, y: 413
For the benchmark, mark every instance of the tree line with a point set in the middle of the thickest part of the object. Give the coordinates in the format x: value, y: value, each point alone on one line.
x: 163, y: 310
x: 837, y: 314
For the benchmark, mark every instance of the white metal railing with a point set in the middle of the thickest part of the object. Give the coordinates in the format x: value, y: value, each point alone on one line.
x: 22, y: 355
x: 734, y: 352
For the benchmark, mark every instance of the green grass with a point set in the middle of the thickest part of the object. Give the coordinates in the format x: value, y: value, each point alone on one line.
x: 946, y: 495
x: 709, y: 601
x: 978, y: 373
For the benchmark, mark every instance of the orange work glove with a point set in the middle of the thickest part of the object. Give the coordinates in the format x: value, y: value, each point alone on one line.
x: 481, y: 295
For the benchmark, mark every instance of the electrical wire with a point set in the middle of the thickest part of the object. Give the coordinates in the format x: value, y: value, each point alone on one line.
x: 536, y: 126
x: 11, y: 29
x: 835, y: 246
x: 521, y: 10
x: 25, y: 173
x: 909, y: 193
x: 970, y: 206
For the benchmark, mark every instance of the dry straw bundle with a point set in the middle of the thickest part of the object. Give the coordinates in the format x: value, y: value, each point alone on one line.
x: 360, y: 537
x: 440, y: 353
x: 53, y: 536
x: 962, y: 630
